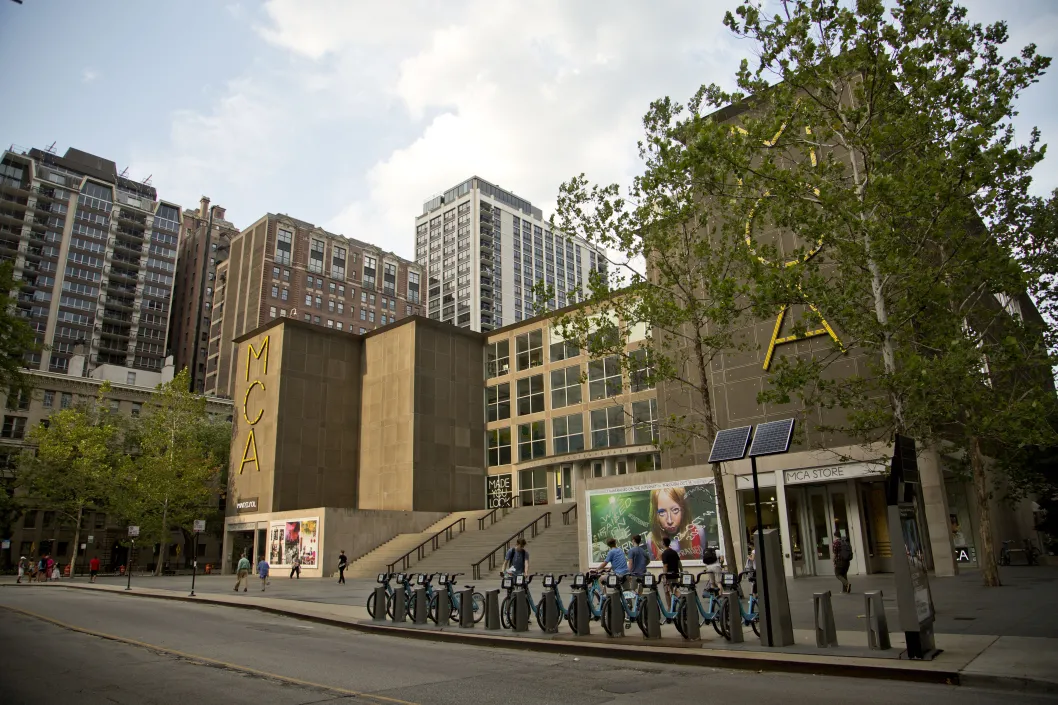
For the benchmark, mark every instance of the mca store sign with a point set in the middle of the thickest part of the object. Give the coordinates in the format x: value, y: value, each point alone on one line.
x: 253, y: 400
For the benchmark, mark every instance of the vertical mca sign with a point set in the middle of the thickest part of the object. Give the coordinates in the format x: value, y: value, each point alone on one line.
x: 253, y: 401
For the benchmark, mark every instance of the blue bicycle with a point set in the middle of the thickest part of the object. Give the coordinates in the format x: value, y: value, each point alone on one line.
x: 403, y: 581
x: 750, y: 614
x: 551, y: 582
x: 668, y: 614
x: 689, y: 594
x: 631, y: 601
x: 454, y: 599
x: 589, y: 582
x: 507, y: 607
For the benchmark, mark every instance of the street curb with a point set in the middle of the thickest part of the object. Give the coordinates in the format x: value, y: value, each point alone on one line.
x: 755, y: 661
x: 1027, y: 686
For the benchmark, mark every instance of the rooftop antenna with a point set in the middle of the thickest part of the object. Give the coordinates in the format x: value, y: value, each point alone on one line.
x: 124, y: 173
x: 51, y: 148
x: 147, y: 181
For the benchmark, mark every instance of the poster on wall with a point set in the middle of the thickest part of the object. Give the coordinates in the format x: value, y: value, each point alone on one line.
x: 294, y: 537
x: 498, y: 490
x: 683, y: 510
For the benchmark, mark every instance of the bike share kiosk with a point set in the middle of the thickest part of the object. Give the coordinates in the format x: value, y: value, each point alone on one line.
x: 650, y: 622
x: 492, y: 603
x: 400, y: 606
x: 548, y: 607
x: 418, y: 599
x: 580, y: 619
x: 615, y: 611
x: 466, y: 607
x: 689, y: 609
x: 381, y: 597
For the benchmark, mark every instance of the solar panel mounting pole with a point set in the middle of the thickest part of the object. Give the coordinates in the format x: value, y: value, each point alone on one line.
x: 758, y: 564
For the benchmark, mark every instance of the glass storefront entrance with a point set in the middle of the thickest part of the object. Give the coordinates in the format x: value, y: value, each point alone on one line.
x: 814, y: 514
x: 532, y: 486
x: 564, y: 484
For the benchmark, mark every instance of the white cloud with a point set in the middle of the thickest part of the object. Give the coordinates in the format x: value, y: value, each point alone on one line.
x: 88, y: 75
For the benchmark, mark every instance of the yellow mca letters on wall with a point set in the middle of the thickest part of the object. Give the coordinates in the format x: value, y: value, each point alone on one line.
x: 249, y: 452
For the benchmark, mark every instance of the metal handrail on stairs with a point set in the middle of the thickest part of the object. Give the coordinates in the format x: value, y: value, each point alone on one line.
x: 491, y: 516
x: 565, y: 515
x: 531, y: 527
x: 434, y: 541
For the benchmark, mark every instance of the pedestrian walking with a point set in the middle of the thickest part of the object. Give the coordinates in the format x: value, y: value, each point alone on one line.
x: 670, y: 558
x: 343, y: 563
x: 22, y: 565
x: 49, y: 568
x: 841, y: 550
x: 296, y: 569
x: 42, y: 568
x: 242, y: 574
x: 93, y: 569
x: 637, y: 558
x: 713, y: 569
x: 516, y: 560
x: 262, y: 572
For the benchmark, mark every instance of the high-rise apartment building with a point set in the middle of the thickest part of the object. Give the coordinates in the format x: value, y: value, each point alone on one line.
x: 204, y: 243
x: 96, y: 254
x: 485, y: 249
x: 281, y: 266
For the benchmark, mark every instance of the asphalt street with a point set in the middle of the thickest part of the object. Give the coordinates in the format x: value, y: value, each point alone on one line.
x: 150, y: 651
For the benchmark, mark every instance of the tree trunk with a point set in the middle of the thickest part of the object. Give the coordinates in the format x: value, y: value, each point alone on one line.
x: 725, y: 523
x: 163, y: 549
x: 76, y: 541
x: 986, y: 556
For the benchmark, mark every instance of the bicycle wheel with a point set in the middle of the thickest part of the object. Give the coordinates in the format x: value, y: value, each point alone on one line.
x: 721, y: 617
x: 717, y: 626
x: 606, y: 622
x: 540, y: 613
x: 680, y: 617
x: 479, y: 607
x: 505, y: 612
x: 389, y: 604
x: 431, y: 608
x: 595, y: 602
x: 371, y: 600
x: 756, y: 625
x: 641, y: 620
x: 571, y: 616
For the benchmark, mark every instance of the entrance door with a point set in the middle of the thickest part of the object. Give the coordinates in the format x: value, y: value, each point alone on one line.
x: 564, y: 484
x: 820, y: 521
x: 241, y: 542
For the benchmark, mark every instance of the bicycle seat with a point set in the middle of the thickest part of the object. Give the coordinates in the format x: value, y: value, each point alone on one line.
x: 469, y: 587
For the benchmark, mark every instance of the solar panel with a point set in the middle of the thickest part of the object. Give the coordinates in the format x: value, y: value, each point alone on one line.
x: 730, y: 444
x: 772, y: 437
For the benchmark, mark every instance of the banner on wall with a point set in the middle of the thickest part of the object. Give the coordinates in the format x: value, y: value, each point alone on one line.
x: 683, y: 510
x: 294, y: 537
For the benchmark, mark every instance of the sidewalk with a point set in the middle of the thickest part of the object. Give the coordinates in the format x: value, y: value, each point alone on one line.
x: 1010, y: 662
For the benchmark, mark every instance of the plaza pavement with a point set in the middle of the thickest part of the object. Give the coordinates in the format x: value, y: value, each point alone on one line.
x: 1005, y: 637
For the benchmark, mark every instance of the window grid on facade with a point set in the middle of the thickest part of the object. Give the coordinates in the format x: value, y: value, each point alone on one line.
x: 607, y: 427
x: 316, y: 256
x: 532, y: 440
x: 604, y: 378
x: 530, y: 395
x: 645, y: 421
x: 284, y: 246
x: 567, y: 433
x: 498, y: 358
x: 565, y: 387
x: 498, y: 401
x: 530, y: 349
x: 499, y: 444
x: 641, y: 376
x: 564, y: 350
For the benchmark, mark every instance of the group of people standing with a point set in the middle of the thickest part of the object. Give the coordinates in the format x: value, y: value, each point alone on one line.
x: 44, y: 570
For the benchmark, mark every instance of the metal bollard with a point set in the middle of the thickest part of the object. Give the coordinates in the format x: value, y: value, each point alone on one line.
x: 550, y: 612
x: 616, y: 615
x: 492, y: 609
x: 400, y: 607
x: 444, y: 608
x: 419, y: 601
x: 466, y: 609
x: 877, y: 625
x: 652, y: 618
x: 692, y: 628
x: 733, y: 617
x: 520, y: 621
x: 380, y: 603
x: 583, y: 613
x: 826, y: 632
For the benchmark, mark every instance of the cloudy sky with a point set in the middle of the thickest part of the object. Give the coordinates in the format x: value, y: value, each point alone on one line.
x: 350, y: 114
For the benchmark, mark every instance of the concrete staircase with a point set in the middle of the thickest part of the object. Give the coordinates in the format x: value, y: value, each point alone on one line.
x: 457, y: 555
x: 554, y: 550
x: 375, y: 562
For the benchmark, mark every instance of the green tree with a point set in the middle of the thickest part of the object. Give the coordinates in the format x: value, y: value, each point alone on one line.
x: 887, y: 148
x: 173, y: 477
x: 77, y: 462
x: 678, y: 274
x: 16, y: 337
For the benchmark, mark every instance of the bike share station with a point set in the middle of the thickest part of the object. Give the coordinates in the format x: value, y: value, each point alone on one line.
x: 618, y: 601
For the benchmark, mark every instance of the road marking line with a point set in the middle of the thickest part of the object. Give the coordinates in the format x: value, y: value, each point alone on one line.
x: 203, y: 659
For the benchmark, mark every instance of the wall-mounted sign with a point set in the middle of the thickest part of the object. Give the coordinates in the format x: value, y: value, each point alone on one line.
x: 134, y: 531
x: 249, y: 452
x: 832, y: 473
x: 499, y: 490
x: 200, y: 525
x: 246, y: 505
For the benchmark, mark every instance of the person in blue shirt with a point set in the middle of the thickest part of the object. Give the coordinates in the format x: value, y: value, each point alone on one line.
x: 637, y: 557
x: 615, y: 558
x: 262, y: 572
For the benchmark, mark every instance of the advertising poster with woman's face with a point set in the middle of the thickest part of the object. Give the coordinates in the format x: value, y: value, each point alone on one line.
x: 683, y: 511
x: 297, y: 537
